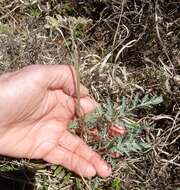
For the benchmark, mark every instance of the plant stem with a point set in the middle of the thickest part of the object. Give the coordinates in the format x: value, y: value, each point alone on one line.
x: 76, y: 65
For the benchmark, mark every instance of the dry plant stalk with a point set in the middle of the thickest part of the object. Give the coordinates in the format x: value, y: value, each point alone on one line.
x: 76, y: 60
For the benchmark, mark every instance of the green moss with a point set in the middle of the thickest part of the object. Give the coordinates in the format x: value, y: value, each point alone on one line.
x: 5, y: 29
x: 68, y: 9
x: 116, y: 184
x: 79, y: 30
x: 35, y: 12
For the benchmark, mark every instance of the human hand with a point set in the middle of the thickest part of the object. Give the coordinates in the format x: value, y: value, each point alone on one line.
x: 37, y: 103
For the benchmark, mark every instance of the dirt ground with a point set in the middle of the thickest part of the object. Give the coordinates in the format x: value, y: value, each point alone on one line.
x: 127, y: 47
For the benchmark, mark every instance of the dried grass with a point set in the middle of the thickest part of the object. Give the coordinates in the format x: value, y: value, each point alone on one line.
x: 133, y: 47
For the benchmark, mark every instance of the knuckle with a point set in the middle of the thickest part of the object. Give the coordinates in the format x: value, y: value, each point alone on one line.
x: 36, y: 72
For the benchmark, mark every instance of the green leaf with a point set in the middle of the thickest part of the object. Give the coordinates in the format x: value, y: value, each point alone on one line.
x: 157, y: 100
x: 109, y: 108
x: 123, y: 106
x: 92, y: 118
x: 145, y: 145
x: 135, y: 101
x: 136, y: 147
x: 145, y: 99
x: 73, y: 125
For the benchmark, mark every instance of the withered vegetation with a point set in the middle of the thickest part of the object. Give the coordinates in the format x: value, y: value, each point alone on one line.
x: 127, y: 47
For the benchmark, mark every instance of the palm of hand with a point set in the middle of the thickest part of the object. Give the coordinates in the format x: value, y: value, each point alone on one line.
x: 36, y: 125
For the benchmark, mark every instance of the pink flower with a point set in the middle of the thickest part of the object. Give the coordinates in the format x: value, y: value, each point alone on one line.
x: 115, y: 130
x: 115, y: 155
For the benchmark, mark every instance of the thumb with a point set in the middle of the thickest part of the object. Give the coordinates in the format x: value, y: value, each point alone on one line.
x: 62, y: 77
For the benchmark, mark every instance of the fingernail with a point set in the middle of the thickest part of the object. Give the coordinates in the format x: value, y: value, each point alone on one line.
x: 107, y: 167
x: 84, y: 90
x: 106, y: 170
x: 94, y: 103
x: 90, y: 171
